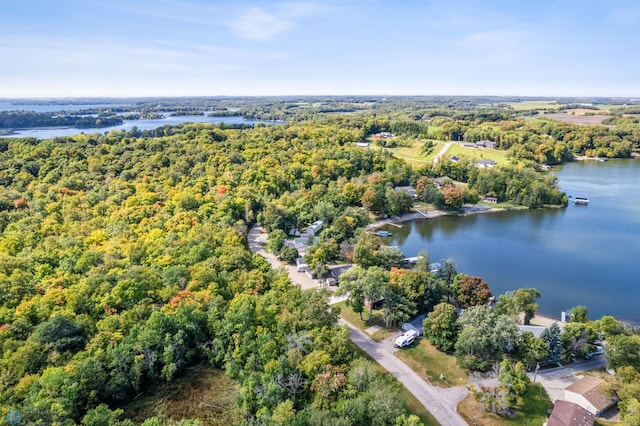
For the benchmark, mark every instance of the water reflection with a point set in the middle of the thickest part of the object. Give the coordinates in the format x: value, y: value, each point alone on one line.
x: 575, y: 255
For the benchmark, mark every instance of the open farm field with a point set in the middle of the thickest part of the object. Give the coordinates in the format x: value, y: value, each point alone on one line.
x: 528, y: 105
x: 577, y: 118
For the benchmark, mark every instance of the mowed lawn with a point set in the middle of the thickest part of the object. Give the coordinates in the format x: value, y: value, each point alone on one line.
x: 376, y: 320
x: 413, y: 154
x: 497, y: 155
x: 426, y: 360
x: 531, y: 410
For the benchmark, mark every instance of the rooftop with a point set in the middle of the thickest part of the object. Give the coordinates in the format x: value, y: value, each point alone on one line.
x: 589, y: 388
x: 567, y: 413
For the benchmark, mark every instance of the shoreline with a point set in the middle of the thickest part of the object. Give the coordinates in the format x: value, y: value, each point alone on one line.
x: 431, y: 214
x: 634, y: 156
x: 543, y: 320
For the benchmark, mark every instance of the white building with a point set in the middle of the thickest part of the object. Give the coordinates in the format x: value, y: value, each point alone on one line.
x: 587, y: 393
x: 314, y: 228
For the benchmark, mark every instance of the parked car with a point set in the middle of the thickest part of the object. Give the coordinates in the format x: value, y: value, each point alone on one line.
x: 599, y: 350
x: 406, y: 339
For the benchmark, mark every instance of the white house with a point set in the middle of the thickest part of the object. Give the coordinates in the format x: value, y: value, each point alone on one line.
x: 535, y: 329
x: 485, y: 163
x: 587, y: 393
x: 314, y: 228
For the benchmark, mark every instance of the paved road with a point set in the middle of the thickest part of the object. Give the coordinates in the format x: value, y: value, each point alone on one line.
x: 556, y: 380
x: 256, y: 238
x: 440, y: 402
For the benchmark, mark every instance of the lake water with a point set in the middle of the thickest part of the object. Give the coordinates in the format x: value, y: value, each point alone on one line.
x: 48, y: 107
x: 579, y: 255
x: 46, y: 133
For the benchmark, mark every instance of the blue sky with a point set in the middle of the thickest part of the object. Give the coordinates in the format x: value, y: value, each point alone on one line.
x: 71, y: 48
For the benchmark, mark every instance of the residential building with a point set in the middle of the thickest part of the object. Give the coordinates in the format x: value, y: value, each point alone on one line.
x: 315, y: 227
x: 567, y: 413
x: 408, y: 189
x: 442, y: 180
x: 384, y: 135
x: 485, y: 163
x: 486, y: 144
x: 587, y: 393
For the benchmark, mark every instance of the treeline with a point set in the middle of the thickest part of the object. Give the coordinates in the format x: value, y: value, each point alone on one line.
x: 22, y: 119
x: 544, y: 141
x: 123, y: 260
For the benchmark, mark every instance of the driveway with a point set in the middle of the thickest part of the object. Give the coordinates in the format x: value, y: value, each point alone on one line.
x: 557, y: 379
x: 440, y: 402
x: 443, y: 151
x: 256, y: 238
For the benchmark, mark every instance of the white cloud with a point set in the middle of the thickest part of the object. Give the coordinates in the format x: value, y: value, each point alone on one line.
x: 499, y: 38
x: 111, y: 56
x: 257, y: 23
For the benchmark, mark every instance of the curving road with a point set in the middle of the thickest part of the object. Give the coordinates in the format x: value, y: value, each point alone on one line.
x: 440, y: 402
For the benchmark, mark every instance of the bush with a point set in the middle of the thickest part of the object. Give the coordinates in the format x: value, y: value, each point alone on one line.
x: 288, y: 254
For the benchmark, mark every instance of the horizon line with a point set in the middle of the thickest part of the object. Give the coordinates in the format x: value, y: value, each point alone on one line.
x: 44, y: 97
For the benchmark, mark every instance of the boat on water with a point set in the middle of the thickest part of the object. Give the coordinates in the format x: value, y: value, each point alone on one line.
x: 581, y: 200
x: 383, y: 234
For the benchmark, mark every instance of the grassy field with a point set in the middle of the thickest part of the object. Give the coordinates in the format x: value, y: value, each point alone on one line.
x: 607, y: 107
x: 527, y: 105
x: 497, y: 155
x: 426, y: 360
x: 506, y: 205
x: 377, y: 319
x: 531, y: 410
x: 576, y: 118
x: 203, y: 393
x: 413, y: 154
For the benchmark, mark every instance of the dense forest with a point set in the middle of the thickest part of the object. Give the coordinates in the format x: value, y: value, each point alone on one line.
x: 26, y: 119
x: 124, y: 260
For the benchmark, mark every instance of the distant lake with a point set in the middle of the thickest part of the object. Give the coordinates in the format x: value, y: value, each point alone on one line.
x: 48, y: 107
x: 579, y: 255
x: 145, y: 124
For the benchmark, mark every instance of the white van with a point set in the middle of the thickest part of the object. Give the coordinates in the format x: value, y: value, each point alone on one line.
x: 406, y: 339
